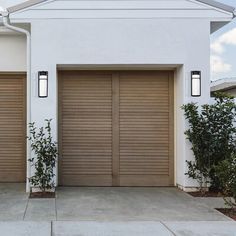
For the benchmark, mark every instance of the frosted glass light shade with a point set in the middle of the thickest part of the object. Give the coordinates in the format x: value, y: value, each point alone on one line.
x: 195, y: 83
x: 43, y: 84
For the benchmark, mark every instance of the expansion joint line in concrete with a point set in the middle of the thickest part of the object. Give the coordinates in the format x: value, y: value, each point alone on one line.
x: 26, y: 208
x: 51, y: 228
x: 56, y: 206
x: 168, y: 228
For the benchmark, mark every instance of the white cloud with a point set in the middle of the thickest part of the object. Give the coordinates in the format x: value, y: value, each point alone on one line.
x: 218, y: 65
x: 228, y: 38
x: 217, y: 47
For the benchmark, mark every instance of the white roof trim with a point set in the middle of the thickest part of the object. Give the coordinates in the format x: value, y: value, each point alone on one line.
x: 219, y: 5
x: 24, y: 5
x: 223, y: 84
x: 212, y: 3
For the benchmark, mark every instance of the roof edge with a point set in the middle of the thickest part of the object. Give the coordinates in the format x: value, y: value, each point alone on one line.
x: 223, y: 84
x: 219, y: 5
x: 212, y: 3
x: 24, y: 5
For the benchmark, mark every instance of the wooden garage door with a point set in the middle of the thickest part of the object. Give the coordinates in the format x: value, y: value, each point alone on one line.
x: 146, y: 129
x: 116, y: 128
x: 12, y: 128
x: 86, y: 128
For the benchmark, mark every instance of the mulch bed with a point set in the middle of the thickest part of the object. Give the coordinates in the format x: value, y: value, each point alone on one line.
x: 228, y: 212
x: 206, y: 194
x: 42, y: 195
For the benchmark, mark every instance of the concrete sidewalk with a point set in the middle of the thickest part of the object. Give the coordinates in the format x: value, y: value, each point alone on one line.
x: 133, y: 228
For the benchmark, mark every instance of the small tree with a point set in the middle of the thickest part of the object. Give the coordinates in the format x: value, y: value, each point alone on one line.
x: 211, y: 133
x: 44, y: 158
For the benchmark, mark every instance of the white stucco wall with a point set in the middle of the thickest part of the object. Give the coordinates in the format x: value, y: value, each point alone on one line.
x: 131, y: 34
x: 111, y: 42
x: 12, y: 53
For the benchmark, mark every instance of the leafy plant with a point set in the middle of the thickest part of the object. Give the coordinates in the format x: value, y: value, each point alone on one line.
x: 44, y: 158
x: 211, y: 133
x: 226, y: 172
x: 197, y: 135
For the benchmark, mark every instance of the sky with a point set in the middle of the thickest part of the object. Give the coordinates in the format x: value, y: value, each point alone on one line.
x: 223, y: 49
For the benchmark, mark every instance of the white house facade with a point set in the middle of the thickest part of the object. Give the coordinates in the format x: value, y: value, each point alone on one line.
x: 118, y: 73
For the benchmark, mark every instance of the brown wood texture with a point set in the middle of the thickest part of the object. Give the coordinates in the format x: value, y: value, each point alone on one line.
x: 86, y: 132
x: 116, y: 128
x: 145, y: 140
x: 12, y: 128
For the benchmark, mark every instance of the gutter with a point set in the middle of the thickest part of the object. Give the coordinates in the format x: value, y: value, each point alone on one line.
x: 7, y: 24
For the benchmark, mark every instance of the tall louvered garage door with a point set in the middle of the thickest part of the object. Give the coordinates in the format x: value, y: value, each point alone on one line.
x: 116, y: 128
x: 12, y: 128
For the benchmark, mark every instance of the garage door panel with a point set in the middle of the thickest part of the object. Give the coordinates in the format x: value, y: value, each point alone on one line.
x: 8, y: 176
x: 86, y: 126
x: 86, y: 180
x: 88, y: 154
x: 12, y: 128
x: 136, y: 148
x: 144, y: 180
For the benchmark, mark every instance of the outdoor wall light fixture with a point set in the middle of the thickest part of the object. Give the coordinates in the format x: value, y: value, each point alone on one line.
x: 196, y: 83
x: 43, y: 84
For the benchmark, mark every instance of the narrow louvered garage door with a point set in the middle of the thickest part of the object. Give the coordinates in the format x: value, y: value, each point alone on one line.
x: 12, y: 128
x: 116, y: 128
x: 86, y: 128
x: 146, y: 129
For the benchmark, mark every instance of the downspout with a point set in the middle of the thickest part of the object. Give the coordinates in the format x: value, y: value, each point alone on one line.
x: 7, y: 24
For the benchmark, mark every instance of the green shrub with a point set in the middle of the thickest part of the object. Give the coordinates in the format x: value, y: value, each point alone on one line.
x: 226, y: 173
x: 211, y: 133
x: 44, y: 158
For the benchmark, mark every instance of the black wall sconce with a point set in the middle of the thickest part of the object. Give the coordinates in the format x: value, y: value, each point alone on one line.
x: 196, y: 83
x: 43, y: 84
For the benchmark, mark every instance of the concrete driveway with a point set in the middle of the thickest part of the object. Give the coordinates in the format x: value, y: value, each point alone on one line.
x: 111, y: 211
x: 131, y: 204
x: 108, y: 204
